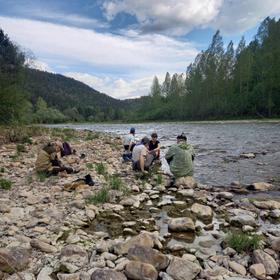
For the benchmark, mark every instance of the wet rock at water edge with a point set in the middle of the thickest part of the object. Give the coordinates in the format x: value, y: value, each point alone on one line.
x: 201, y: 211
x: 184, y: 224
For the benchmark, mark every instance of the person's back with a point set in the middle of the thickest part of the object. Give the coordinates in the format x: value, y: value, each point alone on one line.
x: 138, y: 149
x: 45, y: 156
x: 180, y: 158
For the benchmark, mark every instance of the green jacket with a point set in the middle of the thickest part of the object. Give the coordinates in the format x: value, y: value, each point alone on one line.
x: 44, y: 158
x: 179, y: 157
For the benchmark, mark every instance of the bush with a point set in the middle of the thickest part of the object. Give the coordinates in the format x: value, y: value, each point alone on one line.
x: 101, y: 169
x: 41, y: 176
x: 2, y: 170
x: 115, y: 182
x: 20, y: 148
x: 89, y: 166
x: 101, y: 196
x: 242, y: 242
x: 5, y: 184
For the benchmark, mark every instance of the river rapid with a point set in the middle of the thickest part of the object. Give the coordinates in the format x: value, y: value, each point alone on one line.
x: 218, y: 146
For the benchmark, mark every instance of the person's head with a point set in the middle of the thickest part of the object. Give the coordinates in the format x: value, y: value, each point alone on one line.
x: 58, y: 146
x: 132, y: 130
x: 154, y: 137
x: 145, y: 141
x: 181, y: 138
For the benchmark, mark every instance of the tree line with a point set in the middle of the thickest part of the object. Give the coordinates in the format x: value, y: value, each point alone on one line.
x: 223, y: 82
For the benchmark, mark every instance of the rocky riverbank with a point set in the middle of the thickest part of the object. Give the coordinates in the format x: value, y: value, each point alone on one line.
x: 127, y: 226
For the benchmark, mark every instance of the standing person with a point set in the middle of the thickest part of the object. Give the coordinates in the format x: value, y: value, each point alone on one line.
x: 129, y: 140
x: 128, y: 143
x: 141, y: 158
x: 180, y: 157
x: 154, y: 145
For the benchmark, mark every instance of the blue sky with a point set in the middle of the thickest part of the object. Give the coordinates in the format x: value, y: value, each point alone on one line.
x: 117, y: 46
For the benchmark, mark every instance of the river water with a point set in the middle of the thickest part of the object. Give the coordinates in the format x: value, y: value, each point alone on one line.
x: 218, y: 146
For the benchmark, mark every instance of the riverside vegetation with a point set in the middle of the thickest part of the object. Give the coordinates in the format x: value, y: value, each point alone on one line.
x: 125, y: 226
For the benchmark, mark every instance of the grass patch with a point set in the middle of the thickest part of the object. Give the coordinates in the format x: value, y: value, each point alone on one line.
x: 89, y: 166
x: 115, y: 182
x: 5, y: 184
x: 242, y: 242
x: 20, y: 148
x: 41, y: 176
x: 91, y: 136
x: 100, y: 168
x: 159, y: 179
x: 101, y: 196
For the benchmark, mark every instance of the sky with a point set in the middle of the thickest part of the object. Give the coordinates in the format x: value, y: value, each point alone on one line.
x: 118, y: 46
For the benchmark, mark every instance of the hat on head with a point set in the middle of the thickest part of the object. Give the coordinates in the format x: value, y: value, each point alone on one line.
x: 145, y: 140
x: 132, y: 130
x: 182, y: 136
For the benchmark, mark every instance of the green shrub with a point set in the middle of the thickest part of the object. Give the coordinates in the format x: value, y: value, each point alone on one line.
x: 2, y: 170
x: 159, y: 179
x: 115, y: 182
x: 20, y: 148
x: 101, y: 196
x: 100, y: 168
x: 41, y: 176
x: 91, y: 136
x: 5, y: 184
x: 242, y: 242
x: 89, y: 166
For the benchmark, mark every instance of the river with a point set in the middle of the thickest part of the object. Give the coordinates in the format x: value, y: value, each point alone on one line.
x: 218, y: 146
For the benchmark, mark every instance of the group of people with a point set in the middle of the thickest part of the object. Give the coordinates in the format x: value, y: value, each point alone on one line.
x: 180, y: 156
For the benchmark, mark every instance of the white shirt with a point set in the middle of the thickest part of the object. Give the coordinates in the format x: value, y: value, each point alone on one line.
x: 128, y: 139
x: 138, y: 151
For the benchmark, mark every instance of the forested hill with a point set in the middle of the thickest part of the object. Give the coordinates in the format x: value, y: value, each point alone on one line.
x: 74, y: 99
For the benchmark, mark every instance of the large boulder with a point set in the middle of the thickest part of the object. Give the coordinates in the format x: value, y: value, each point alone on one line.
x: 261, y: 186
x: 181, y: 269
x: 73, y: 257
x: 148, y: 255
x: 139, y: 271
x: 271, y: 266
x: 14, y: 258
x: 202, y: 211
x: 258, y: 270
x: 242, y: 220
x: 187, y: 182
x: 275, y: 244
x: 107, y: 274
x: 143, y: 239
x: 267, y: 204
x: 181, y: 224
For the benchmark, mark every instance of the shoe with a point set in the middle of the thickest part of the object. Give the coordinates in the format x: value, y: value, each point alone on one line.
x: 89, y: 180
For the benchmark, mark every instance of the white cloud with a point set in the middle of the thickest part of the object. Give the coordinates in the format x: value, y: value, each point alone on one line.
x: 39, y: 65
x: 124, y: 56
x: 237, y: 16
x: 169, y: 16
x: 177, y: 17
x: 116, y: 87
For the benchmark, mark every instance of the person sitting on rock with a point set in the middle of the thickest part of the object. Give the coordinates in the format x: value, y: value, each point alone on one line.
x: 154, y: 145
x: 47, y: 160
x: 180, y: 158
x: 141, y: 158
x: 129, y: 143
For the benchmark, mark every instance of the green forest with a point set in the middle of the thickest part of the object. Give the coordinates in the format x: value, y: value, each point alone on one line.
x: 222, y: 83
